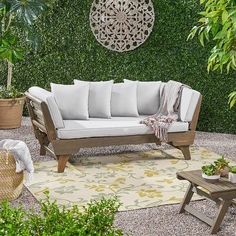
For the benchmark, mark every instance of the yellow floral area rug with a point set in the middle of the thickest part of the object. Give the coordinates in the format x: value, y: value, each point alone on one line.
x: 138, y: 179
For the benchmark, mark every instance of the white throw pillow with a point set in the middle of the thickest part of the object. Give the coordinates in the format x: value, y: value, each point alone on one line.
x: 148, y: 96
x: 72, y: 101
x: 124, y: 99
x: 99, y: 98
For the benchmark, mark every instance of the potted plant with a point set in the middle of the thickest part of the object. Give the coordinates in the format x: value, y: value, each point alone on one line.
x: 223, y: 166
x: 210, y: 173
x: 232, y: 174
x: 17, y: 17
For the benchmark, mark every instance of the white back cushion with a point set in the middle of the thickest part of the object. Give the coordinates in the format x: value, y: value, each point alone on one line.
x: 124, y: 99
x: 48, y: 97
x: 188, y: 104
x: 148, y: 96
x: 72, y: 100
x: 99, y: 98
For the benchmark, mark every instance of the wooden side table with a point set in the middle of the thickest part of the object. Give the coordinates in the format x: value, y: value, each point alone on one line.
x: 222, y: 192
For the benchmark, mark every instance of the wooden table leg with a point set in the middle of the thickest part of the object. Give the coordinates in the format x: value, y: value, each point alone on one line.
x: 233, y: 202
x: 220, y: 216
x: 187, y: 198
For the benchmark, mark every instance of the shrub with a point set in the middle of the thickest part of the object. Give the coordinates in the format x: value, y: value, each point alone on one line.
x: 94, y: 219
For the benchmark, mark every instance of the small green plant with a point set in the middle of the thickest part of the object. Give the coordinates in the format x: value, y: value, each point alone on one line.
x: 210, y: 170
x: 233, y: 169
x: 93, y: 220
x: 9, y: 93
x: 221, y: 163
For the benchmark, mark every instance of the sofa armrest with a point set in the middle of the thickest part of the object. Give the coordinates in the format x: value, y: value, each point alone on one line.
x: 193, y: 123
x: 47, y: 97
x: 188, y: 104
x: 40, y: 117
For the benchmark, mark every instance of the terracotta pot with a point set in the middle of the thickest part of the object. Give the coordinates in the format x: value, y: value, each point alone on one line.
x: 224, y: 172
x: 11, y: 112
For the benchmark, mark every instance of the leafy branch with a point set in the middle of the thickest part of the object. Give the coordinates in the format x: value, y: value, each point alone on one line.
x: 18, y: 15
x: 218, y: 24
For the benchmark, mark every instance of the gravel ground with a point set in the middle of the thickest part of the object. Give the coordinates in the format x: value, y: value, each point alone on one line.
x: 156, y: 221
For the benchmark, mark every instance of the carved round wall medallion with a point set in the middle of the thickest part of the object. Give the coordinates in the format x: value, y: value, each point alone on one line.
x: 121, y: 25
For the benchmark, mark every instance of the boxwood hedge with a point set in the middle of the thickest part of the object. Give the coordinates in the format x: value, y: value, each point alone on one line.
x: 69, y: 51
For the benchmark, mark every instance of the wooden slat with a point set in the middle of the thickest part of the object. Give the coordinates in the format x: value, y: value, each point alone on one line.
x: 36, y: 105
x: 40, y: 126
x: 199, y: 215
x: 38, y: 112
x: 39, y: 116
x: 67, y: 146
x: 181, y: 138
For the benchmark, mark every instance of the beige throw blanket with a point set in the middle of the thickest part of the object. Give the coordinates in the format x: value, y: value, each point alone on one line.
x: 168, y: 110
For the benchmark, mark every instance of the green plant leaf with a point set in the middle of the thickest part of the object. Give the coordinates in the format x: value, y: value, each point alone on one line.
x: 232, y: 99
x: 9, y: 50
x: 27, y: 11
x: 224, y: 17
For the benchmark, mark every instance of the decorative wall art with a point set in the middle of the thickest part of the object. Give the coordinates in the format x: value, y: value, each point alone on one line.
x: 121, y: 25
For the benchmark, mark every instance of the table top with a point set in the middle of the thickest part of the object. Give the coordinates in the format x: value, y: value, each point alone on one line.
x: 195, y: 177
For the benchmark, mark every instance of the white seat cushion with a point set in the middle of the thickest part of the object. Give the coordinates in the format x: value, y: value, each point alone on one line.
x: 48, y: 97
x: 116, y: 126
x: 188, y: 104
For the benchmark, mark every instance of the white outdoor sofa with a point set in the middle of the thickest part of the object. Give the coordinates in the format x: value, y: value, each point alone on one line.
x: 68, y: 136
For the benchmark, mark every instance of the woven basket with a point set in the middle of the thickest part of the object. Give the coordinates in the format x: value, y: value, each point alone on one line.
x: 11, y: 183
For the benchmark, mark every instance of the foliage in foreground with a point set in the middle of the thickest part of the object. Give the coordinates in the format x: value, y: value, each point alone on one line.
x: 95, y: 219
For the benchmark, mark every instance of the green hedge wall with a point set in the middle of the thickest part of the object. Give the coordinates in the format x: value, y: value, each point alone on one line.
x: 69, y: 51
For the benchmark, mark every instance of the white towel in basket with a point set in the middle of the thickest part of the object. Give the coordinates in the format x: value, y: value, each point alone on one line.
x: 21, y: 154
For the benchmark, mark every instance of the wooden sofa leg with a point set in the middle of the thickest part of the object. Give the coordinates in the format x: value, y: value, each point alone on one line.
x: 186, y: 152
x: 43, y: 140
x: 42, y: 151
x: 62, y: 160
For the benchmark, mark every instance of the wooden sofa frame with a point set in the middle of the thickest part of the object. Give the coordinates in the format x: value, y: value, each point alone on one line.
x: 45, y: 132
